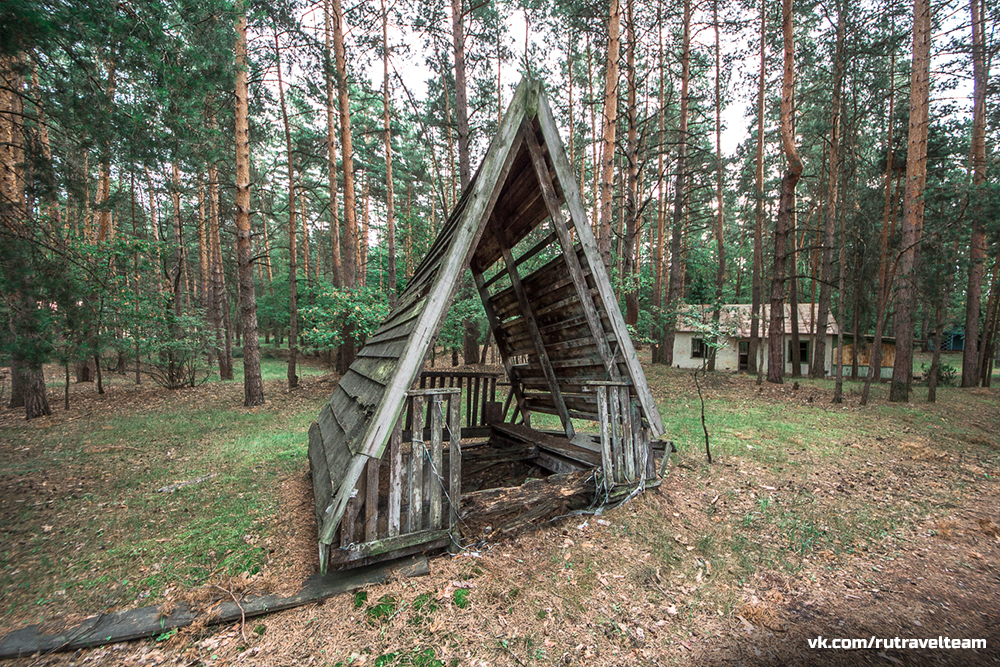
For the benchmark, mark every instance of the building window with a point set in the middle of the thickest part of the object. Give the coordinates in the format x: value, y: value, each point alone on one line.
x: 803, y: 351
x: 697, y: 348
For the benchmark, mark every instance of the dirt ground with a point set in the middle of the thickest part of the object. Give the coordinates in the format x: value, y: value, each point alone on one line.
x: 738, y: 563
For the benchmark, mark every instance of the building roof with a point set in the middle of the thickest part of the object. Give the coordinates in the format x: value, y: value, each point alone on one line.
x: 735, y: 319
x: 548, y: 299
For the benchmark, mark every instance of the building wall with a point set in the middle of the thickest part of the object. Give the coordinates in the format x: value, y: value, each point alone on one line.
x: 727, y: 357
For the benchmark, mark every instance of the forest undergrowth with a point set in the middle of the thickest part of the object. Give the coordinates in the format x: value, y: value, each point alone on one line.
x: 815, y: 519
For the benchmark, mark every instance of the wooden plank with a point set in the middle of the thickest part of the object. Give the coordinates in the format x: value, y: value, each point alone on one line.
x: 378, y: 370
x: 395, y: 478
x: 415, y: 480
x: 365, y: 391
x: 371, y: 501
x: 607, y: 457
x: 569, y: 253
x: 435, y: 391
x: 120, y: 626
x: 628, y: 439
x: 614, y: 411
x: 335, y: 447
x: 566, y: 179
x: 528, y: 313
x: 454, y: 472
x: 494, y: 325
x: 368, y: 549
x: 319, y: 470
x: 393, y: 348
x: 437, y: 463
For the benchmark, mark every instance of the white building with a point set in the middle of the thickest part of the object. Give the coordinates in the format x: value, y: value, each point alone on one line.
x: 695, y: 330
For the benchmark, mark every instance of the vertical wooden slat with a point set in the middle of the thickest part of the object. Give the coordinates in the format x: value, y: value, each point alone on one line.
x: 395, y: 477
x: 455, y: 469
x: 627, y: 441
x: 371, y: 501
x: 416, y: 476
x: 615, y: 415
x: 437, y: 460
x: 347, y: 521
x: 474, y: 417
x: 607, y: 454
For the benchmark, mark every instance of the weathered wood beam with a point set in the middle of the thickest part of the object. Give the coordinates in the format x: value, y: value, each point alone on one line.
x: 494, y: 324
x: 569, y: 254
x: 528, y: 313
x: 564, y: 174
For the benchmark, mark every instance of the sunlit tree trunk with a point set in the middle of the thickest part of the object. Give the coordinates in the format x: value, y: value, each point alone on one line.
x: 631, y: 175
x: 786, y: 203
x: 609, y: 127
x: 253, y: 384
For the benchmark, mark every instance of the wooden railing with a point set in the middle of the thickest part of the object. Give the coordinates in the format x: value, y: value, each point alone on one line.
x: 480, y: 393
x: 418, y: 509
x: 626, y: 456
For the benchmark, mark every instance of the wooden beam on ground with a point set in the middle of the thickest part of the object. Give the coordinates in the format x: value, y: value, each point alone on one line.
x: 528, y: 313
x: 132, y: 624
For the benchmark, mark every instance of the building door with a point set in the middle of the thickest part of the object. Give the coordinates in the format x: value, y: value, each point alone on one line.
x: 744, y: 362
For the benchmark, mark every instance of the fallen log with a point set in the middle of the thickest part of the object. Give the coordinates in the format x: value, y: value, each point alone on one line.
x: 149, y: 621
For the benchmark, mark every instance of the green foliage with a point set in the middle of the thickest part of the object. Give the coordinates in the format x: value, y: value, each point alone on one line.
x: 461, y: 598
x: 947, y: 374
x: 340, y: 316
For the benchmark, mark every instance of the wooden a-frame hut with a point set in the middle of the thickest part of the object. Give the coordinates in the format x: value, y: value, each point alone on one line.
x: 385, y: 451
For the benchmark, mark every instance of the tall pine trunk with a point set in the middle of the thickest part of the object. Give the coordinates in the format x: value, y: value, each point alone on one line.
x: 336, y: 271
x: 818, y: 368
x: 720, y: 271
x: 390, y: 208
x: 913, y: 200
x: 253, y: 383
x: 609, y: 127
x: 971, y: 366
x: 293, y: 288
x: 757, y: 285
x: 675, y: 285
x: 786, y: 201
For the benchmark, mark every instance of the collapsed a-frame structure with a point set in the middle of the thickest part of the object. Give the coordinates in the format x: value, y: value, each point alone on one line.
x: 386, y: 454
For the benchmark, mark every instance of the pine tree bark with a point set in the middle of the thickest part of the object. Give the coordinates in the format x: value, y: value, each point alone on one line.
x: 390, y: 208
x: 720, y: 271
x: 608, y: 132
x: 757, y: 272
x: 349, y: 252
x: 786, y: 202
x: 219, y: 306
x: 293, y: 290
x: 818, y: 367
x: 971, y: 366
x: 661, y: 204
x: 461, y: 104
x: 628, y: 277
x: 253, y: 383
x: 336, y: 270
x: 913, y: 200
x: 675, y: 287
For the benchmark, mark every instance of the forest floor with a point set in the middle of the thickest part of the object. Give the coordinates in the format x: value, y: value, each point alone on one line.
x: 814, y: 520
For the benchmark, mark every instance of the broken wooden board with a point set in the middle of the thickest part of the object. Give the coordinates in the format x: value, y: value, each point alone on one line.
x: 131, y: 624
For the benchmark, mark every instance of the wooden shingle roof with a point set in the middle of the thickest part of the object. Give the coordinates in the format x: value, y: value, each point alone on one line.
x: 561, y: 320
